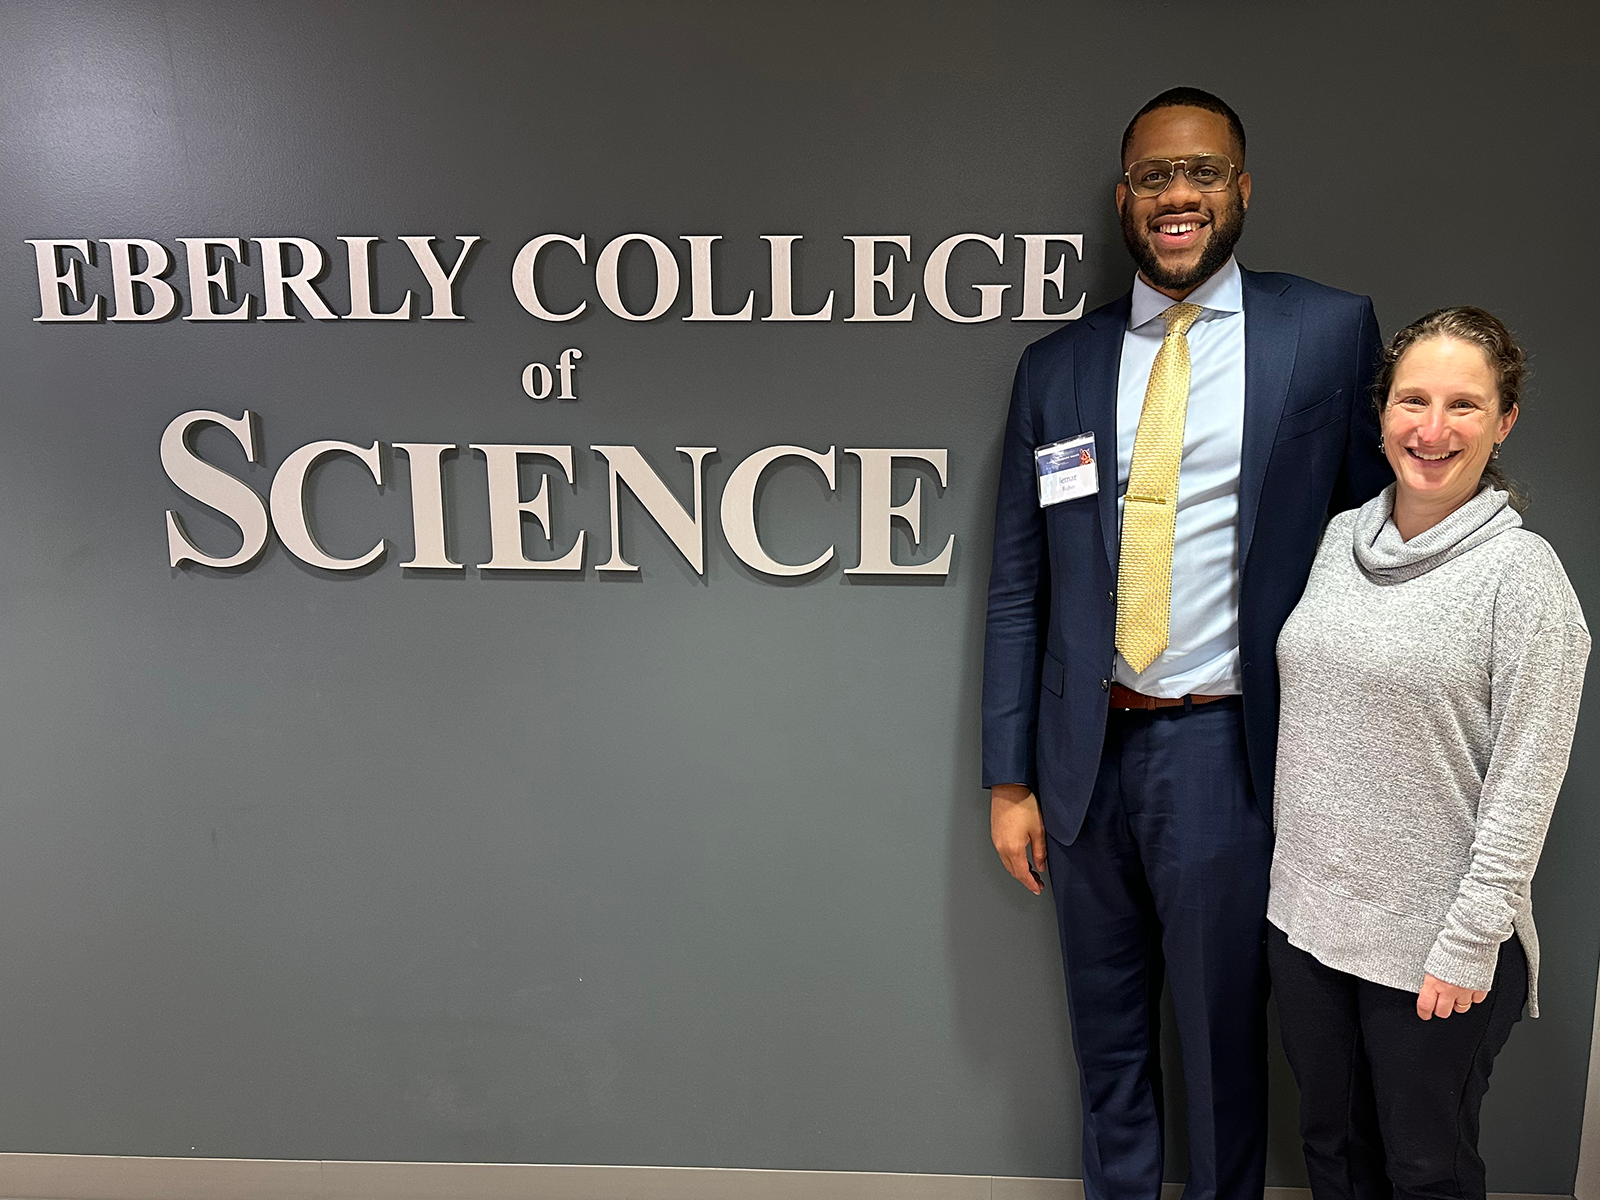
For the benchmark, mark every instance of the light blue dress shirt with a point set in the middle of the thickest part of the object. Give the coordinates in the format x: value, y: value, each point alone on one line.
x: 1202, y: 653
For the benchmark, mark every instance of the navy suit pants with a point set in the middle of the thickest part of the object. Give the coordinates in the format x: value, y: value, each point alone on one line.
x: 1168, y: 878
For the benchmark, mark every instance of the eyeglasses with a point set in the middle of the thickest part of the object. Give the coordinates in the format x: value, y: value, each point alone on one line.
x: 1205, y: 172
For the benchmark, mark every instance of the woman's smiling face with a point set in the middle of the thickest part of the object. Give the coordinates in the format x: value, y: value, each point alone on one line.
x: 1441, y: 422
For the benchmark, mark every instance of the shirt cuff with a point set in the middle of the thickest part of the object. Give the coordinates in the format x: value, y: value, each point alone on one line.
x: 1471, y: 970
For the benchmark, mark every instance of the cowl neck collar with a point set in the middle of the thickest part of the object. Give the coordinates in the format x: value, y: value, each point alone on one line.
x: 1387, y: 558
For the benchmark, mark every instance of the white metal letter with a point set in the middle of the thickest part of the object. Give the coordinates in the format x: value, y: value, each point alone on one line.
x: 605, y: 276
x: 126, y: 282
x: 703, y: 306
x: 935, y: 284
x: 214, y: 487
x: 565, y: 366
x: 739, y: 509
x: 527, y: 260
x: 440, y: 283
x: 537, y: 381
x: 878, y: 513
x: 358, y: 250
x: 277, y: 285
x: 289, y: 503
x: 506, y: 507
x: 628, y: 466
x: 52, y: 279
x: 427, y: 506
x: 783, y: 282
x: 202, y: 279
x: 866, y: 282
x: 1034, y: 248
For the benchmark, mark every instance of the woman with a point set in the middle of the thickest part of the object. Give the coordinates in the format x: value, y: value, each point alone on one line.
x: 1431, y: 676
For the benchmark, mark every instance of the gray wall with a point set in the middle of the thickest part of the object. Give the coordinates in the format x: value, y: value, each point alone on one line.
x: 661, y: 870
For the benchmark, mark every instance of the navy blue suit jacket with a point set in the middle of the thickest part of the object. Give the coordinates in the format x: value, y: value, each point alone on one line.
x: 1309, y: 449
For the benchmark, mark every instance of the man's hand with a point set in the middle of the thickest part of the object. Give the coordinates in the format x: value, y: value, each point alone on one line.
x: 1439, y: 999
x: 1015, y: 825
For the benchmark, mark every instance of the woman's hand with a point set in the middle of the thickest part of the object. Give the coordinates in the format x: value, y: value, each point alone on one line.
x: 1438, y: 998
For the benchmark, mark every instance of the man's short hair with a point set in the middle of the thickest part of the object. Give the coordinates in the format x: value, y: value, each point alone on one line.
x: 1188, y: 97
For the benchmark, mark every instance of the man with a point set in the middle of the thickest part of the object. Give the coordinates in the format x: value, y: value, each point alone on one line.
x: 1169, y: 463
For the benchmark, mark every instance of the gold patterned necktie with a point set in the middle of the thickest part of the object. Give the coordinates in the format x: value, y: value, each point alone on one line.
x: 1150, y: 509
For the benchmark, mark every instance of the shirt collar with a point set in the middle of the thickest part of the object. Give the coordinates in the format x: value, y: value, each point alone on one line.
x: 1222, y: 293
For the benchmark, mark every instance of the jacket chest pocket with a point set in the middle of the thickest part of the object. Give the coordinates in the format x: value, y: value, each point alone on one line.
x: 1327, y: 411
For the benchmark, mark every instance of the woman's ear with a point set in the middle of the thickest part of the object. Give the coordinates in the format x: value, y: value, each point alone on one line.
x: 1507, y: 421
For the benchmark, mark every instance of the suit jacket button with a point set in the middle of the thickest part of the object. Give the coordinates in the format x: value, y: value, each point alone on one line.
x: 1111, y: 595
x: 1105, y: 685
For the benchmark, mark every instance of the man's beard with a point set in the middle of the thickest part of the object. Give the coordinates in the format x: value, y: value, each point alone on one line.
x: 1225, y: 231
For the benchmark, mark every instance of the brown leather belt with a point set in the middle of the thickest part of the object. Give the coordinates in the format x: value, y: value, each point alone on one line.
x: 1123, y: 697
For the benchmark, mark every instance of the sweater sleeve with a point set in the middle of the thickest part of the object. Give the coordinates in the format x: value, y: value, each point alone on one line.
x: 1540, y: 647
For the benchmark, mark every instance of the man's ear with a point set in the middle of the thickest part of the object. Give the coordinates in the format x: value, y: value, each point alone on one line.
x: 1244, y: 189
x: 1122, y: 197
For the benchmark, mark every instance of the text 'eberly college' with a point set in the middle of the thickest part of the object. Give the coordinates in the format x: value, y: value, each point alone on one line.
x: 145, y: 285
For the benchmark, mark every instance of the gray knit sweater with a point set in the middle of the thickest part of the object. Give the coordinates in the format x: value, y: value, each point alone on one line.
x: 1430, y: 689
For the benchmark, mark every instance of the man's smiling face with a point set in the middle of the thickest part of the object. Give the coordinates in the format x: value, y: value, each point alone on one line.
x: 1180, y: 238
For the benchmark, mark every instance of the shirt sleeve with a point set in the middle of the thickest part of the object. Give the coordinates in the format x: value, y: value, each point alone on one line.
x: 1540, y: 648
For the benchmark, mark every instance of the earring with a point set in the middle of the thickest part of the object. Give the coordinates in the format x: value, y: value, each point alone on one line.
x: 1495, y: 453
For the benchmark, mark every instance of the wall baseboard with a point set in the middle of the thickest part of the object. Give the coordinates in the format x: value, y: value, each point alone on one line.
x: 106, y: 1177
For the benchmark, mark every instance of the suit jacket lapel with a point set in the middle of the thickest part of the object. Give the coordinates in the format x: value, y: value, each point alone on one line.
x: 1095, y: 369
x: 1271, y: 337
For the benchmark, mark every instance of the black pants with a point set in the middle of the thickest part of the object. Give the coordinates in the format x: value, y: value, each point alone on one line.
x: 1389, y: 1102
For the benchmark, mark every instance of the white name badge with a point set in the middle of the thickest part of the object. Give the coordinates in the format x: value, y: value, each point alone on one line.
x: 1067, y: 470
